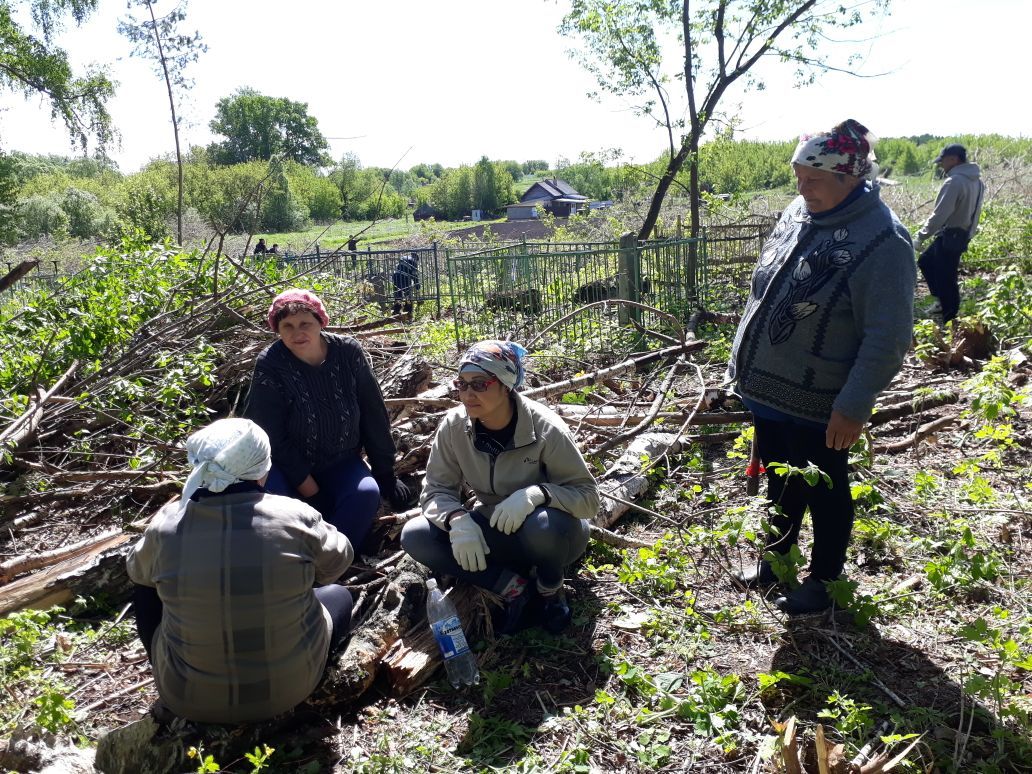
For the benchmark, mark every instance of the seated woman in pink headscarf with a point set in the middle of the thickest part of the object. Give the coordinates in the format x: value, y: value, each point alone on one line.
x: 315, y: 394
x: 535, y: 496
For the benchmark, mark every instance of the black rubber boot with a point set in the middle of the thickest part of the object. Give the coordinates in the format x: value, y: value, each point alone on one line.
x: 811, y: 597
x: 554, y: 614
x: 759, y: 575
x: 513, y: 616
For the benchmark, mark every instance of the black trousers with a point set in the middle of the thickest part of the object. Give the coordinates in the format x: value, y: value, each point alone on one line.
x: 940, y: 266
x: 831, y: 508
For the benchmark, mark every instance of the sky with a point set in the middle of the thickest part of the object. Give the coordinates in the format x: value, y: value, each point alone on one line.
x: 407, y: 82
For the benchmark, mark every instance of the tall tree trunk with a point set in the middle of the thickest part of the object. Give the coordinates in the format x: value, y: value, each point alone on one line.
x: 175, y: 125
x: 674, y: 165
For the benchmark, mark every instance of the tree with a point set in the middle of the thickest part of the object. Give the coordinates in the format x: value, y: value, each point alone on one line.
x: 159, y: 39
x: 257, y: 127
x: 720, y: 44
x: 34, y: 65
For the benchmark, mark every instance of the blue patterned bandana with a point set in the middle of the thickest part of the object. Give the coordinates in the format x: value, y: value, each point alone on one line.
x: 503, y: 359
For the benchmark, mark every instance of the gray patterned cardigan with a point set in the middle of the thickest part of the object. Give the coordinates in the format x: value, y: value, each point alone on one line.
x: 830, y: 313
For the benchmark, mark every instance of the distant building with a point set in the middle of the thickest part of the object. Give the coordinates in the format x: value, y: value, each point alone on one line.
x: 424, y: 212
x: 555, y: 196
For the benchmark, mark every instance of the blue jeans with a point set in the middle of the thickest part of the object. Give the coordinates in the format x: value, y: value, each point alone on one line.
x: 549, y: 539
x: 348, y: 496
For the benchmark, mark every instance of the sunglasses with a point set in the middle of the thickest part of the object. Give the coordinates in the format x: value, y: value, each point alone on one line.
x: 478, y: 385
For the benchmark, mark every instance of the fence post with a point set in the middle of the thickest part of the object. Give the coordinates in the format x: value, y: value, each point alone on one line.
x: 437, y: 280
x: 629, y: 277
x: 692, y: 269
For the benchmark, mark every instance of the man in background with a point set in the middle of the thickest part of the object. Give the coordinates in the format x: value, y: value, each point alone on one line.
x: 952, y: 225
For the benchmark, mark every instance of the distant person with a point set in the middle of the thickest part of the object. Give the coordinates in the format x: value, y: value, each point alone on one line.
x: 406, y: 283
x: 316, y: 396
x: 827, y: 324
x: 952, y: 224
x: 274, y: 250
x: 260, y: 248
x: 224, y: 599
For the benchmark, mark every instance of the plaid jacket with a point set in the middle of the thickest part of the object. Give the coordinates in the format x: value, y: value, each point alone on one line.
x: 242, y: 636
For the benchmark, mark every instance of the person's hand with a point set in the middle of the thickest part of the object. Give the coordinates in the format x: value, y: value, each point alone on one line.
x: 918, y: 242
x: 509, y: 515
x: 308, y: 488
x: 467, y: 543
x: 395, y: 491
x: 842, y: 431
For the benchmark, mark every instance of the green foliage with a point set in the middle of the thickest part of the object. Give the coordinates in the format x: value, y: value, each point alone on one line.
x: 257, y: 127
x: 961, y: 562
x: 33, y: 65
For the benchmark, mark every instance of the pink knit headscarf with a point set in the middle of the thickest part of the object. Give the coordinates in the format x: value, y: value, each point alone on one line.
x: 295, y: 295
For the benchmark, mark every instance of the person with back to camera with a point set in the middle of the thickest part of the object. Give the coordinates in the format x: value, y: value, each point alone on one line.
x: 535, y: 497
x: 315, y: 394
x: 260, y: 248
x: 224, y: 598
x: 827, y: 324
x: 953, y: 224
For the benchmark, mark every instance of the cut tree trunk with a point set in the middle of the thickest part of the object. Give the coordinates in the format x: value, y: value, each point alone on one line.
x: 625, y: 478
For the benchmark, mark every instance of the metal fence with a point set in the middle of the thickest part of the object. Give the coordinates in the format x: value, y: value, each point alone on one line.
x: 520, y: 288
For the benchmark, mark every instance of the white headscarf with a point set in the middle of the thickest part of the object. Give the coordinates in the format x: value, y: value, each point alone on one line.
x: 224, y: 452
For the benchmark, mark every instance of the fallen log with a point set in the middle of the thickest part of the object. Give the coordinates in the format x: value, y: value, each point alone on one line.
x: 914, y: 406
x: 402, y: 607
x: 24, y: 564
x: 415, y: 657
x: 625, y: 479
x: 912, y: 440
x: 99, y: 567
x: 607, y: 416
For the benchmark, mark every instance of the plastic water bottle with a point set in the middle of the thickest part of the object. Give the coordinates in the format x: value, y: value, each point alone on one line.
x: 459, y: 661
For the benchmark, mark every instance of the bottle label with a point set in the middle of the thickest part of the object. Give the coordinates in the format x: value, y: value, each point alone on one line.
x: 450, y: 637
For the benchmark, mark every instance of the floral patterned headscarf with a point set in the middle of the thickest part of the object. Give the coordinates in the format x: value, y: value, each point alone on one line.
x: 503, y: 359
x: 846, y: 149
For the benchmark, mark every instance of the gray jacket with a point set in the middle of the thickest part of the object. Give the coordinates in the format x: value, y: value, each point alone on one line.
x: 543, y: 452
x: 958, y: 204
x: 830, y: 314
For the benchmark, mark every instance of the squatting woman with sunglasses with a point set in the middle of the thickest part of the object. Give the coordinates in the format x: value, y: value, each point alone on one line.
x: 534, y: 495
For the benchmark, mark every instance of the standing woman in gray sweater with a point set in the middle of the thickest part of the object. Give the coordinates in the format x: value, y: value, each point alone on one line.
x: 315, y: 394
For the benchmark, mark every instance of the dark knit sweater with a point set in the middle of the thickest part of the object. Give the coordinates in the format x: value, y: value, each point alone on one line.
x: 830, y: 314
x: 317, y: 416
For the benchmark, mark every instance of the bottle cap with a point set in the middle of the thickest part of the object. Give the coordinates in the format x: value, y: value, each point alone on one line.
x: 431, y: 584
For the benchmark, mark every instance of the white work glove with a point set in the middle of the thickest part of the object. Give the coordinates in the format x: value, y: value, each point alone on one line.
x: 467, y: 543
x: 510, y: 513
x: 918, y: 241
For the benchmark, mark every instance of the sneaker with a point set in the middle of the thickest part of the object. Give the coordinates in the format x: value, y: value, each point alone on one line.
x: 811, y: 597
x: 555, y: 614
x: 510, y: 617
x: 759, y: 575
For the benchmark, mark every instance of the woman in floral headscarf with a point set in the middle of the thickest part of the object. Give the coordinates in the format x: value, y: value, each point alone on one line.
x: 534, y: 494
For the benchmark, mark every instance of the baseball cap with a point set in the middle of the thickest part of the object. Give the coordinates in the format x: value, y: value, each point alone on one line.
x: 953, y: 150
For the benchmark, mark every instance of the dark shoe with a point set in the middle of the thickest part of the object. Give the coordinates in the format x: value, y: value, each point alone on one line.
x: 555, y: 614
x: 512, y: 616
x: 811, y: 597
x: 759, y: 575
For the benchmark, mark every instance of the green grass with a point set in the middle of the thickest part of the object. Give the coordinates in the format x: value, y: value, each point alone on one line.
x: 381, y: 231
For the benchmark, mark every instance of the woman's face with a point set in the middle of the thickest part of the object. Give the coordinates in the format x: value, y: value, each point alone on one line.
x: 492, y: 403
x: 300, y: 332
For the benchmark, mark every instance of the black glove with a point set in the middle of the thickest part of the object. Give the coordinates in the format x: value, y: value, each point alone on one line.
x: 395, y: 491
